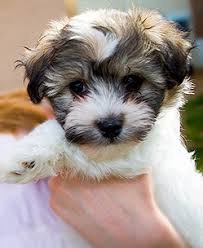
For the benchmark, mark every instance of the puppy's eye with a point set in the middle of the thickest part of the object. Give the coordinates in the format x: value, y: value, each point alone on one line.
x: 133, y: 82
x: 78, y: 87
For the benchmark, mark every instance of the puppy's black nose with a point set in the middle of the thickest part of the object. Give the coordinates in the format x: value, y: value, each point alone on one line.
x: 110, y: 127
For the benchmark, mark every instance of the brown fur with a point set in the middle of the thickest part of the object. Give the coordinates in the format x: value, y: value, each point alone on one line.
x: 147, y: 46
x: 18, y: 113
x: 157, y: 39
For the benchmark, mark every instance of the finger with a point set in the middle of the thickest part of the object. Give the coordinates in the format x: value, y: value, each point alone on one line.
x: 58, y: 210
x: 64, y: 195
x: 62, y: 189
x: 67, y: 205
x: 54, y: 183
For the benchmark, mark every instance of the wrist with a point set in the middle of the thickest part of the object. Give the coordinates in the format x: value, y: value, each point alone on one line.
x: 167, y: 236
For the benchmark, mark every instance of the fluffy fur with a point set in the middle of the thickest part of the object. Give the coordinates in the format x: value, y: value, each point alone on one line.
x: 131, y: 67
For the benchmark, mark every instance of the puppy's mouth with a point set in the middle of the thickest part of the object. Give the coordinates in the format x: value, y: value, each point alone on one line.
x: 91, y: 139
x: 104, y: 132
x: 99, y: 148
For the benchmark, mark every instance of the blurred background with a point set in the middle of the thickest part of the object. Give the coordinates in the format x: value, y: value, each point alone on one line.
x: 22, y: 21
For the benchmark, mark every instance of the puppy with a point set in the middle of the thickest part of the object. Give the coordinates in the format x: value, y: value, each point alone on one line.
x: 116, y: 82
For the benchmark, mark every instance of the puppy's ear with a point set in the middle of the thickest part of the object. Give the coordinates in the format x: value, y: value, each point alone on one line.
x: 37, y: 61
x: 36, y: 65
x: 175, y: 60
x: 170, y: 45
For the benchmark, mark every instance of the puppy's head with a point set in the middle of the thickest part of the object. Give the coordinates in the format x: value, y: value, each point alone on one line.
x: 107, y: 73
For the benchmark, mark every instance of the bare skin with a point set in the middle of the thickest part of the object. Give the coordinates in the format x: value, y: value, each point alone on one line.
x: 114, y: 213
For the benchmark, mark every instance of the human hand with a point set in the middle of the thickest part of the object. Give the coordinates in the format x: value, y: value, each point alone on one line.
x: 114, y: 213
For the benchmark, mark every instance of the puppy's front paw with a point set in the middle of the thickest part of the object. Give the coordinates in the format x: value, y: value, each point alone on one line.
x: 23, y: 168
x: 20, y: 172
x: 28, y: 165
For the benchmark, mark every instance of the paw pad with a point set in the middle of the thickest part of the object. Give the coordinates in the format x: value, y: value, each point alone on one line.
x: 28, y: 165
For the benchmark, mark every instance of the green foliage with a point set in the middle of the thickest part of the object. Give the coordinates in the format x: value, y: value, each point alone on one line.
x: 193, y: 123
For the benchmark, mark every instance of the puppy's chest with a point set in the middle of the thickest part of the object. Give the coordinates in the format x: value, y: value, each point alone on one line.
x: 125, y: 164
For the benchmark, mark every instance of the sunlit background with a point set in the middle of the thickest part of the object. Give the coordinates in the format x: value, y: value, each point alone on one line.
x: 22, y: 21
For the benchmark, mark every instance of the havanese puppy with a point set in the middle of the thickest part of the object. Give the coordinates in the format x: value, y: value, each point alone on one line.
x: 116, y: 82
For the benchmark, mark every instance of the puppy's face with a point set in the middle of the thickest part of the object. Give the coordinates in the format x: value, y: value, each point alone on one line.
x: 107, y: 73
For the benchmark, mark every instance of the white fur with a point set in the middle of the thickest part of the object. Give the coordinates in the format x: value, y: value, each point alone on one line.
x: 136, y: 115
x: 178, y: 186
x: 102, y: 45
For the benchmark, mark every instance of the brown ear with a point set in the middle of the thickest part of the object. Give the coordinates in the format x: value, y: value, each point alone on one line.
x: 35, y: 70
x: 171, y: 46
x: 176, y: 61
x: 38, y: 61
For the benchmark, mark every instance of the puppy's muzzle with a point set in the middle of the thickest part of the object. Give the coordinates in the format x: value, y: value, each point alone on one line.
x: 110, y: 127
